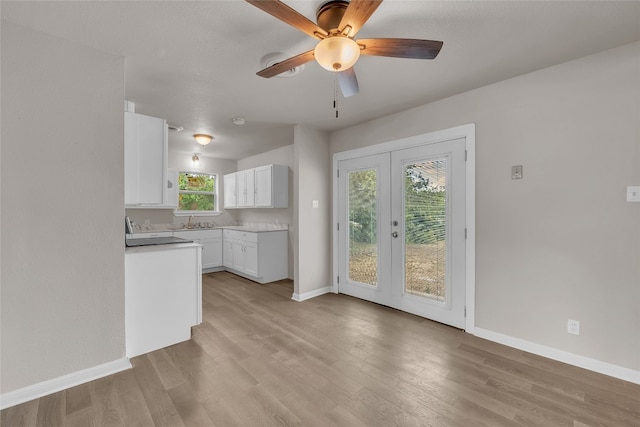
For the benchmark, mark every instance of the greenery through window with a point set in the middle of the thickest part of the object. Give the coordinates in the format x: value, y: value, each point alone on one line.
x: 197, y: 192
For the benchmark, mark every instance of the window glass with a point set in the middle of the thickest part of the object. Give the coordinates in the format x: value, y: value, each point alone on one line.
x: 197, y: 192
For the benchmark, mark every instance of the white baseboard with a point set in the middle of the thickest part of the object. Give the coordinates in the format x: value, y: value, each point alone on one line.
x: 44, y: 388
x: 312, y: 294
x: 605, y: 368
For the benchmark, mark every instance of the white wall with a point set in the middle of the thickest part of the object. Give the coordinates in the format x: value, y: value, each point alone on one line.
x: 562, y: 243
x: 279, y: 156
x: 62, y: 279
x: 312, y: 181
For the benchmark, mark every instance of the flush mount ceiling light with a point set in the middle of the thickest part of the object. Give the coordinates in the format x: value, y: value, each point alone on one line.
x: 337, y: 53
x: 202, y: 138
x: 239, y: 121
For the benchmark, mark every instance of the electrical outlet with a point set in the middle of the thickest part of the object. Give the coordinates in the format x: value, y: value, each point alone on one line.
x: 633, y: 194
x: 516, y: 172
x: 573, y: 327
x: 315, y: 204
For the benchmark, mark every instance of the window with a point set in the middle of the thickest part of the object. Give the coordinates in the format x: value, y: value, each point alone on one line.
x: 197, y: 193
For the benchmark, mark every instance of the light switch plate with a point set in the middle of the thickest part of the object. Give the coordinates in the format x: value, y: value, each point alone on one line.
x: 633, y: 194
x: 516, y: 172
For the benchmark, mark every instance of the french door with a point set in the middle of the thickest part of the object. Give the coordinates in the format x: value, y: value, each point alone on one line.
x: 401, y: 237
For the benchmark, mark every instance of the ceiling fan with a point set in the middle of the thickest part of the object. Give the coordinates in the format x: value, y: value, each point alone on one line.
x: 338, y: 23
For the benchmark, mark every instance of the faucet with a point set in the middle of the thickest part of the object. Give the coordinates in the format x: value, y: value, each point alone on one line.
x: 189, y: 225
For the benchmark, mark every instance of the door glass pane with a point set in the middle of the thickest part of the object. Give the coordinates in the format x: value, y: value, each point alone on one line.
x: 363, y: 227
x: 425, y: 229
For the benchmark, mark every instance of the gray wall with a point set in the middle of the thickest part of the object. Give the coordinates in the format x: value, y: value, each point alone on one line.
x: 562, y: 242
x: 62, y: 178
x: 312, y: 182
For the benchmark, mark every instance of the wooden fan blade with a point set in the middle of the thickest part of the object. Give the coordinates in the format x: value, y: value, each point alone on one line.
x: 400, y: 48
x: 286, y: 65
x: 348, y: 82
x: 357, y: 13
x: 279, y: 10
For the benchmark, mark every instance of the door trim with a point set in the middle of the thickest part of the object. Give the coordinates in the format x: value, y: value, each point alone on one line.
x: 468, y: 132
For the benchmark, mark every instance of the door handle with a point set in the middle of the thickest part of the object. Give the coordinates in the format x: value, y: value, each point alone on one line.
x: 394, y: 234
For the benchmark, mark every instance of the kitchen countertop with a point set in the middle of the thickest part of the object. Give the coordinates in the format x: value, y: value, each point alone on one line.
x: 156, y: 248
x: 252, y: 228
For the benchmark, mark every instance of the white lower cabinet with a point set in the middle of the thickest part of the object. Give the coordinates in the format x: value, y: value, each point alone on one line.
x: 211, y: 252
x: 227, y: 248
x: 211, y: 241
x: 163, y: 296
x: 245, y: 252
x: 260, y: 256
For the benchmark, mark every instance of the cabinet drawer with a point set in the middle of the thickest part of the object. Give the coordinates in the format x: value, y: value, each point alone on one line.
x: 227, y: 234
x: 246, y: 236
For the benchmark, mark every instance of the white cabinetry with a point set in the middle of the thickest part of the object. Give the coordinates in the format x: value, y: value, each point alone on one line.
x: 163, y: 296
x: 245, y: 252
x: 272, y: 189
x: 227, y: 248
x: 145, y: 160
x: 172, y: 189
x: 259, y: 256
x: 245, y: 184
x: 262, y: 187
x: 230, y: 191
x: 211, y: 241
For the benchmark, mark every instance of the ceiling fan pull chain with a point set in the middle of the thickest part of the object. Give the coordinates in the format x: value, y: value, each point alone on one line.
x: 335, y: 93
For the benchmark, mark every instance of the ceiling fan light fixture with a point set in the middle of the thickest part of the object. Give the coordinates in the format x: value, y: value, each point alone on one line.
x: 337, y: 53
x: 202, y: 138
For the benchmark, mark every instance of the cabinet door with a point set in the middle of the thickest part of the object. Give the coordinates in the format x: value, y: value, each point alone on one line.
x: 241, y: 189
x: 227, y: 253
x: 172, y: 189
x: 151, y: 160
x: 246, y: 188
x: 264, y: 186
x: 145, y: 160
x: 211, y: 252
x: 238, y: 255
x: 130, y: 159
x: 230, y: 191
x: 250, y: 258
x: 251, y: 190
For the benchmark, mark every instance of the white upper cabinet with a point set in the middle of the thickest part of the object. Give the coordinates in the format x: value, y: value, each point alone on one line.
x: 245, y: 184
x: 145, y: 161
x: 172, y: 189
x: 261, y: 187
x: 230, y: 194
x: 272, y: 186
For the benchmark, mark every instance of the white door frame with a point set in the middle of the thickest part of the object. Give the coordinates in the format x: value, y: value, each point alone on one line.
x: 465, y: 131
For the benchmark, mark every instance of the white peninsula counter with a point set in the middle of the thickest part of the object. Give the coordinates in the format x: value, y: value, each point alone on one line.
x: 163, y: 295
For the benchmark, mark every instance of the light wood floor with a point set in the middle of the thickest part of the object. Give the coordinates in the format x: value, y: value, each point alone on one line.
x: 261, y: 359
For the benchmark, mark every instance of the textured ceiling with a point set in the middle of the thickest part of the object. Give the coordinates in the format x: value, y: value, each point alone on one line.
x: 194, y: 63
